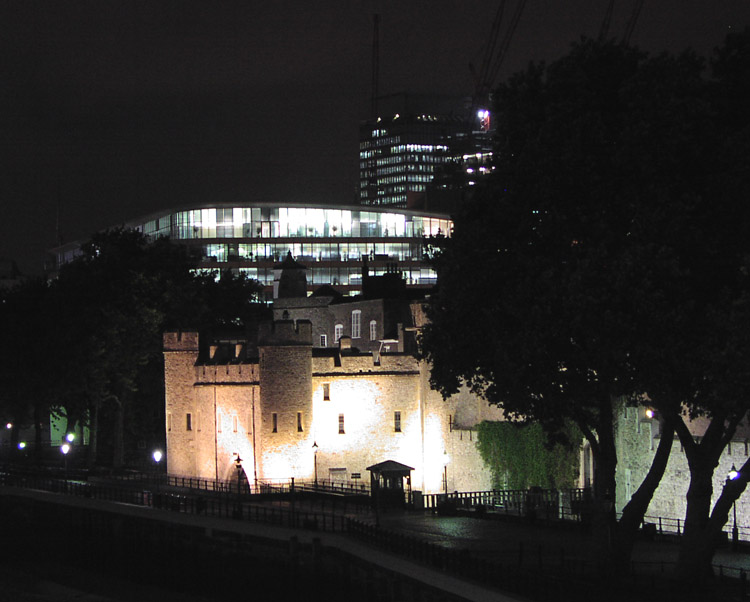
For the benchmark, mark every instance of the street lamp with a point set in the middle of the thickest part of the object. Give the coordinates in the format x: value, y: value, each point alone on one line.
x: 733, y: 474
x: 446, y: 459
x: 157, y: 456
x: 70, y: 437
x: 238, y: 465
x: 315, y: 460
x: 65, y: 448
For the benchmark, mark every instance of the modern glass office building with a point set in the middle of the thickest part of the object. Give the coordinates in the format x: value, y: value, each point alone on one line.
x: 330, y: 241
x: 404, y: 158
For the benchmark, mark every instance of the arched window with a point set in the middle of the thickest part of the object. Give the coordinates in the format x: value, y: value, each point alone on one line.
x: 373, y: 330
x: 338, y: 332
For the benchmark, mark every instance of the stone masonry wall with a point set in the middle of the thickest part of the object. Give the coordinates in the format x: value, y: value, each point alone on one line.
x: 637, y: 439
x: 383, y: 406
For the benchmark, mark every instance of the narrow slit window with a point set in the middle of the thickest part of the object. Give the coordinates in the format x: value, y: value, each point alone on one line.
x: 299, y: 422
x: 397, y: 422
x: 169, y: 421
x: 326, y: 392
x: 235, y: 423
x: 188, y: 422
x: 274, y: 423
x: 341, y: 424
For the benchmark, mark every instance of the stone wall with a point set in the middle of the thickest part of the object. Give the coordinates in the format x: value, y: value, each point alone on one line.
x: 637, y: 440
x: 354, y: 410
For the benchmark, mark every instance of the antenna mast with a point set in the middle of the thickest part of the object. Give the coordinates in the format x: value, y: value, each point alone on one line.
x: 375, y: 64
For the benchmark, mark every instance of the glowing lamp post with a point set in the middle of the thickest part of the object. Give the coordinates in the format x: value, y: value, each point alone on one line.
x: 65, y: 448
x: 157, y: 456
x: 238, y: 465
x: 315, y: 463
x: 733, y: 474
x: 446, y: 459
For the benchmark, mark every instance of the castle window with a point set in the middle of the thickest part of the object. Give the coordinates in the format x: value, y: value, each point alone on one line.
x: 397, y: 422
x: 338, y: 332
x: 299, y: 422
x: 198, y: 421
x: 219, y: 421
x: 188, y: 422
x: 169, y: 421
x: 356, y: 324
x: 341, y: 424
x: 274, y: 423
x: 323, y: 340
x: 373, y: 330
x: 326, y: 392
x: 235, y: 423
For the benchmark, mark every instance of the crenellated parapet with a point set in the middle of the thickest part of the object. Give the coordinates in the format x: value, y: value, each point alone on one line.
x: 180, y: 341
x: 285, y: 333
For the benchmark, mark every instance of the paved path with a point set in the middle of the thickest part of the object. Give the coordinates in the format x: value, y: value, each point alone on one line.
x: 434, y: 578
x: 496, y: 538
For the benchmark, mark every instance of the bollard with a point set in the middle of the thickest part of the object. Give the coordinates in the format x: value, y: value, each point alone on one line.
x: 743, y: 584
x: 294, y: 550
x: 316, y: 551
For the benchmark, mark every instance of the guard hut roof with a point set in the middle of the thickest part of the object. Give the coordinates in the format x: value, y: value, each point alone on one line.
x: 390, y: 468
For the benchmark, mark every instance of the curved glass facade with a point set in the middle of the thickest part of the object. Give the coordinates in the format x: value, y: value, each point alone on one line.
x: 329, y: 241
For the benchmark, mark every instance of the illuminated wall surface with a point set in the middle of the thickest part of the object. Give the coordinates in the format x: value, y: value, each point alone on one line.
x: 272, y: 408
x: 330, y: 241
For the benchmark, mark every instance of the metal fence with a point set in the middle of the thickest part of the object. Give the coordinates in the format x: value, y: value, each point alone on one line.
x: 534, y: 571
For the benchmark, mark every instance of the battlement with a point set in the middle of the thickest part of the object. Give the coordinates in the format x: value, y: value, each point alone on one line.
x: 180, y: 341
x: 285, y: 333
x: 366, y: 363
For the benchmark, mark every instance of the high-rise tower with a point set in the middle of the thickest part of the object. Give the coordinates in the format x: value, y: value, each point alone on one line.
x: 419, y: 145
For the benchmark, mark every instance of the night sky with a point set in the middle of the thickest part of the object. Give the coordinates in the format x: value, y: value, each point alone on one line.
x: 113, y: 110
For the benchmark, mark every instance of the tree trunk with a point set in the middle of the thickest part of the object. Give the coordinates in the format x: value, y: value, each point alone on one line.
x: 698, y: 543
x: 118, y: 439
x: 93, y: 433
x: 37, y: 431
x: 635, y: 509
x: 605, y: 465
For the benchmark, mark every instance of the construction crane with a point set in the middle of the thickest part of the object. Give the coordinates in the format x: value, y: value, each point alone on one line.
x: 629, y: 27
x: 494, y: 54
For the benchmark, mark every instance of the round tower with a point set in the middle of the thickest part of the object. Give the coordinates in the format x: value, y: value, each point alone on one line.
x: 290, y: 280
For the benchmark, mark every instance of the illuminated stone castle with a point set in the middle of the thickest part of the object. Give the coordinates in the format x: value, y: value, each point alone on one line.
x: 291, y: 409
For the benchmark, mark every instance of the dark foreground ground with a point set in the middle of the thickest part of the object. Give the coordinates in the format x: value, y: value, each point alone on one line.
x: 55, y: 555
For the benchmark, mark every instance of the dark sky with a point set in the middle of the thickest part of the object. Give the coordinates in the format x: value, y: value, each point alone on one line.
x: 116, y: 109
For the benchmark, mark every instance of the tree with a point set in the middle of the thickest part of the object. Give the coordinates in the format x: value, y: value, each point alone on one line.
x: 706, y: 375
x: 27, y: 394
x: 573, y: 256
x: 110, y: 306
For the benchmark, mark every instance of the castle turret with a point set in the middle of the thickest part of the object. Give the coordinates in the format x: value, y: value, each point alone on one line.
x: 290, y: 280
x: 286, y: 398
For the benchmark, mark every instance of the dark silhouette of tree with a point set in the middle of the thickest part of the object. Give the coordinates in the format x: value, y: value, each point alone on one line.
x: 585, y: 274
x: 97, y: 331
